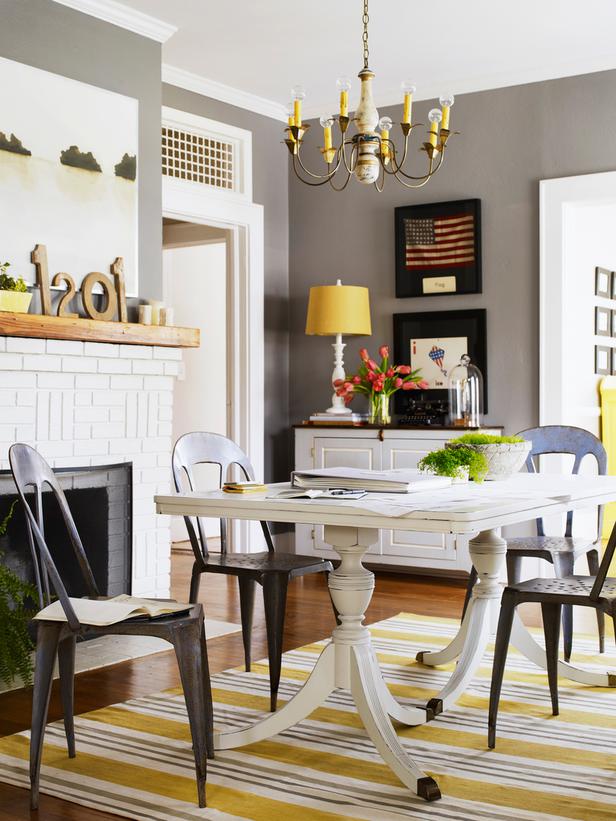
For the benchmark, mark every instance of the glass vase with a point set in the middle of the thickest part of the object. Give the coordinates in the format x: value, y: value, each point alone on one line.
x: 379, y: 409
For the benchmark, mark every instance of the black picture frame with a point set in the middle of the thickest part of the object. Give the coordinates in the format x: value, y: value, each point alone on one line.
x: 444, y: 278
x: 439, y: 325
x: 603, y: 282
x: 603, y: 360
x: 603, y: 321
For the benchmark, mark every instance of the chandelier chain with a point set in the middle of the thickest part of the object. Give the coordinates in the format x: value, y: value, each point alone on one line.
x: 365, y: 20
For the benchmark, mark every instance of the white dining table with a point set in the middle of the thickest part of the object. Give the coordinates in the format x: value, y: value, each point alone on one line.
x: 349, y: 661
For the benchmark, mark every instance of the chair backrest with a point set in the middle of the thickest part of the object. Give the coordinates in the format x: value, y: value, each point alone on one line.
x: 200, y: 448
x: 31, y: 473
x: 565, y: 439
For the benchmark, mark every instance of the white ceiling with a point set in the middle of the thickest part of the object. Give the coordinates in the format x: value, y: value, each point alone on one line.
x: 263, y: 47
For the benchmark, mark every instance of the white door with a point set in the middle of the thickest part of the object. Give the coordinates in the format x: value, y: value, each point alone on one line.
x: 364, y: 454
x: 425, y: 549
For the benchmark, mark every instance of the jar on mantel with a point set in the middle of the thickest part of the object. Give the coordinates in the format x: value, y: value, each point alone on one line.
x: 465, y: 395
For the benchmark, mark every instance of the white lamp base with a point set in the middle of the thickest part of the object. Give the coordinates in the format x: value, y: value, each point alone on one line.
x: 338, y: 408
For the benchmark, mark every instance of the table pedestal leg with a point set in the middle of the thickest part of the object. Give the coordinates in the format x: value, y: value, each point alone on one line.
x: 349, y: 662
x: 488, y: 551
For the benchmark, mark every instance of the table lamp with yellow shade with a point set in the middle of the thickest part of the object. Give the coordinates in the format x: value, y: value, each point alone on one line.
x: 334, y: 310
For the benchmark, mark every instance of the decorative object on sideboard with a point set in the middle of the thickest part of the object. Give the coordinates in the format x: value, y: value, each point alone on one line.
x: 603, y: 360
x: 465, y: 390
x: 378, y: 382
x: 434, y: 341
x: 505, y: 455
x: 438, y: 248
x: 334, y: 310
x: 75, y: 178
x: 373, y: 154
x: 14, y: 294
x: 603, y: 282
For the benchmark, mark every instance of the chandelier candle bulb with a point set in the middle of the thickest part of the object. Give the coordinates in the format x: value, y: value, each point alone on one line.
x: 298, y: 94
x: 343, y: 85
x: 435, y: 117
x: 446, y: 102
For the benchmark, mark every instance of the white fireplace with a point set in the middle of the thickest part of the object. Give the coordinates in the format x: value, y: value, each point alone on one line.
x: 91, y: 403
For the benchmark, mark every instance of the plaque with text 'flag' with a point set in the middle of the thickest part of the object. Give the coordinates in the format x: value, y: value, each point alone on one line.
x: 438, y: 249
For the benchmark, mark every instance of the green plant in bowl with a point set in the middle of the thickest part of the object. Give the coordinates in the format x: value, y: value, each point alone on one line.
x: 9, y: 283
x: 455, y: 463
x: 487, y: 439
x: 14, y: 296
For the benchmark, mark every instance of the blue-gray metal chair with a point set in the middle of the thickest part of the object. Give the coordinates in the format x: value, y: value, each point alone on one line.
x: 561, y: 551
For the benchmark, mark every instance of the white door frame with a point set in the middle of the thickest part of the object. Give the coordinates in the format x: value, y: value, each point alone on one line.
x: 554, y: 198
x: 192, y: 202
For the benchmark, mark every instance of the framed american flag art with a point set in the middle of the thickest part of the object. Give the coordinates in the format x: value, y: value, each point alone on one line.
x: 438, y: 248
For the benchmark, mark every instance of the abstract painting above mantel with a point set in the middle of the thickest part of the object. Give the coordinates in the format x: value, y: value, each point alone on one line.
x: 68, y: 174
x: 438, y: 248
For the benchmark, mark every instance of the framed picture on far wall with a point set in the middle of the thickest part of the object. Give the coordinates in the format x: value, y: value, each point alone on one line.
x: 434, y: 341
x: 603, y: 321
x: 438, y: 248
x: 603, y: 282
x: 603, y: 360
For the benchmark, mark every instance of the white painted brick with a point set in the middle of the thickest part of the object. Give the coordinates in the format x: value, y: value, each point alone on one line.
x: 127, y: 383
x: 143, y: 507
x: 83, y: 398
x: 128, y: 446
x: 148, y: 366
x: 91, y: 414
x: 164, y: 459
x: 108, y: 398
x: 7, y: 398
x: 17, y: 379
x: 17, y: 415
x: 65, y: 347
x: 2, y: 343
x: 160, y: 474
x: 117, y: 414
x: 158, y: 383
x: 114, y: 366
x: 42, y: 416
x: 107, y: 430
x: 165, y: 413
x: 68, y: 408
x: 88, y: 380
x: 165, y: 428
x: 168, y: 353
x: 143, y: 461
x: 142, y: 414
x: 82, y: 430
x: 79, y: 364
x: 101, y: 349
x: 42, y: 362
x: 92, y: 447
x: 144, y: 490
x: 55, y: 415
x: 172, y: 368
x: 131, y: 414
x: 53, y: 450
x: 10, y: 362
x: 15, y: 344
x: 26, y: 398
x: 72, y: 462
x: 152, y: 415
x: 7, y: 433
x: 157, y: 444
x: 165, y: 398
x: 136, y: 352
x: 60, y: 381
x: 25, y: 433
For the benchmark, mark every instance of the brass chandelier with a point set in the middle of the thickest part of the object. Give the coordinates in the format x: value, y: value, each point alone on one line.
x: 369, y: 155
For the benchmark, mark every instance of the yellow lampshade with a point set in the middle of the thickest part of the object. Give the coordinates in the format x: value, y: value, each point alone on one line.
x: 338, y: 309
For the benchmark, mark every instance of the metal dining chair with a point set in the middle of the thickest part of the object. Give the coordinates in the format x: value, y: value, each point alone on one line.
x: 554, y: 595
x: 58, y: 638
x: 271, y: 570
x: 561, y: 551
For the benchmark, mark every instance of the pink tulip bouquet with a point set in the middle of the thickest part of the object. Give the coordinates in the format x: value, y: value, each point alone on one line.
x: 378, y: 383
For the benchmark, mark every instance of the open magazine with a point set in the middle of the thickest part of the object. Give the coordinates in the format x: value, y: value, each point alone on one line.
x: 375, y: 481
x: 103, y: 612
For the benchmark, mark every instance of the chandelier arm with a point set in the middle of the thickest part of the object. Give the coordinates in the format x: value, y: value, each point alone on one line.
x: 424, y: 177
x: 423, y: 180
x: 343, y: 186
x: 381, y: 177
x: 310, y: 173
x: 350, y: 167
x: 322, y: 181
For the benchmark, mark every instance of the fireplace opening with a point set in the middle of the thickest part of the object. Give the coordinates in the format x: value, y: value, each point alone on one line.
x: 100, y: 499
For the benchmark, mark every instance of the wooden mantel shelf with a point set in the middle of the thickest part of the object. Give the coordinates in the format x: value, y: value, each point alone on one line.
x: 92, y: 330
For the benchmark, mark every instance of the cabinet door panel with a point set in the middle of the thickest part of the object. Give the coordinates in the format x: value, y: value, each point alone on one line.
x: 330, y: 452
x: 429, y: 548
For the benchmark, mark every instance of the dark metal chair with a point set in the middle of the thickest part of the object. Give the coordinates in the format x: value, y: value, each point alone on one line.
x: 561, y: 551
x: 184, y: 631
x: 553, y: 595
x: 271, y: 570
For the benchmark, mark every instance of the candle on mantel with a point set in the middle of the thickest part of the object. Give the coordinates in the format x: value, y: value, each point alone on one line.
x: 408, y: 89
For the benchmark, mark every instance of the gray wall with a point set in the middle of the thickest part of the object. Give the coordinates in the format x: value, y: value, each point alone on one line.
x: 270, y: 189
x: 511, y: 138
x: 53, y: 37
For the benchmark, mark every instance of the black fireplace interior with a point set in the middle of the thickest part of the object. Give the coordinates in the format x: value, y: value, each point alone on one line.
x: 100, y: 499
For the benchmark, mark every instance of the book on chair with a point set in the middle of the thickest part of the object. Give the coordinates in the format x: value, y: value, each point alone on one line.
x: 103, y: 612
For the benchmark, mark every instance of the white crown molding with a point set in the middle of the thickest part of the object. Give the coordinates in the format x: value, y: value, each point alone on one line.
x: 125, y: 17
x: 225, y: 94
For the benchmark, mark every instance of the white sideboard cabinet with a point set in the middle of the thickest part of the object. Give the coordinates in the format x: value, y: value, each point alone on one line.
x: 381, y: 449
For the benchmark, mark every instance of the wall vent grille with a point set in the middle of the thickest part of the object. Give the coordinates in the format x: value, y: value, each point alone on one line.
x: 197, y: 158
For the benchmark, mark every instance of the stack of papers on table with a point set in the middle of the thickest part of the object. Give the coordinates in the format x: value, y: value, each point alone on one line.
x: 375, y: 481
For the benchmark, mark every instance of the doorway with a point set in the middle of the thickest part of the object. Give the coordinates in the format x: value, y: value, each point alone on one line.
x: 195, y: 285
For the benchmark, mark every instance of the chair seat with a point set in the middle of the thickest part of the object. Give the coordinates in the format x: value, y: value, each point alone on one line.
x: 570, y: 587
x: 544, y: 546
x: 265, y: 562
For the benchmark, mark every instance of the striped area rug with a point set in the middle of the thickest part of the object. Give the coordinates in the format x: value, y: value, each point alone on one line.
x: 134, y: 758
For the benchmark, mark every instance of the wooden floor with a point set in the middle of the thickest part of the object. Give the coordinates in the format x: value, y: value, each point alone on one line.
x: 309, y: 617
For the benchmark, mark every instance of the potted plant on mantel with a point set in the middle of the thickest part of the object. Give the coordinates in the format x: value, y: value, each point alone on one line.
x: 14, y: 294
